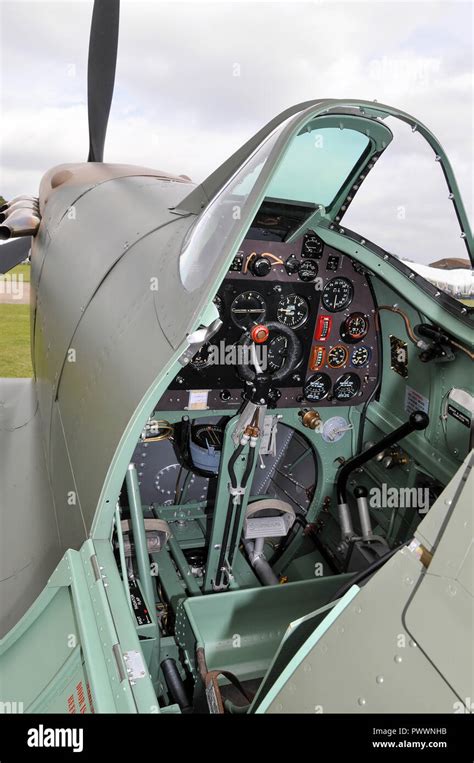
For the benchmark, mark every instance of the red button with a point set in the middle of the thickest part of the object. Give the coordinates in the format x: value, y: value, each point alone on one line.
x: 259, y: 334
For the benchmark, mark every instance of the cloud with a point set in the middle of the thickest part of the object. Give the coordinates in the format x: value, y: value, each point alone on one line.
x: 195, y: 80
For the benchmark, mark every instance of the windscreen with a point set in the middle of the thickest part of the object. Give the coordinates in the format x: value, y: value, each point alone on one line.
x: 314, y: 167
x: 317, y: 163
x: 221, y: 219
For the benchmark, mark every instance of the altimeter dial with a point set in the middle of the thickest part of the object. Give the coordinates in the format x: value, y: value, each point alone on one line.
x: 292, y: 311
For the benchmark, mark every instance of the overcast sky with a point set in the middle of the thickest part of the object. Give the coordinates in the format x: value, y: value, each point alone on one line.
x: 178, y: 103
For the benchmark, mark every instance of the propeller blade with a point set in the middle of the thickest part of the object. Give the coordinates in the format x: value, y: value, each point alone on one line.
x: 14, y: 252
x: 103, y: 45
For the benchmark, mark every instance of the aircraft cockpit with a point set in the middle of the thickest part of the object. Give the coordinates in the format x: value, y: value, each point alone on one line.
x: 267, y: 464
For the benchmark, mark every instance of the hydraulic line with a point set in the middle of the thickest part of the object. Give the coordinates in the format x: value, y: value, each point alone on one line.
x: 175, y: 684
x: 230, y: 511
x: 123, y: 562
x: 228, y: 519
x: 139, y: 538
x: 232, y: 462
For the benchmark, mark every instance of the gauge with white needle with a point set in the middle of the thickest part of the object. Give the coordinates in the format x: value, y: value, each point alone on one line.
x: 292, y: 311
x: 248, y: 309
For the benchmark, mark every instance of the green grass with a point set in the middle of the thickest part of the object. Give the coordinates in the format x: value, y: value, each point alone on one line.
x: 15, y: 341
x: 23, y: 270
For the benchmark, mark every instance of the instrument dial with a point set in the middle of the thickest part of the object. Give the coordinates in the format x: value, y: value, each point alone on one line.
x: 203, y: 357
x: 312, y: 246
x: 208, y: 436
x: 317, y: 387
x: 360, y: 356
x: 337, y: 294
x: 307, y: 271
x: 337, y: 356
x: 355, y: 328
x: 247, y: 309
x: 292, y: 311
x: 292, y: 264
x: 346, y: 387
x: 277, y: 353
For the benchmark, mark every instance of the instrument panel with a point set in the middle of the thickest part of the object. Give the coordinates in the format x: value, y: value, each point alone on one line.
x: 322, y: 345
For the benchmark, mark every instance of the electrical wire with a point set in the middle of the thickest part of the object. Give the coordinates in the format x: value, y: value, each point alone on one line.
x: 405, y: 317
x: 252, y: 256
x: 412, y: 334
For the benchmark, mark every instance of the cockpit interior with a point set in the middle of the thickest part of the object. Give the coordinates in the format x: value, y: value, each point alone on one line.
x: 267, y: 469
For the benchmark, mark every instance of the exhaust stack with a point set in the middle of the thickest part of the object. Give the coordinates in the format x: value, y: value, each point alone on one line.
x: 21, y: 217
x: 24, y: 198
x: 31, y: 205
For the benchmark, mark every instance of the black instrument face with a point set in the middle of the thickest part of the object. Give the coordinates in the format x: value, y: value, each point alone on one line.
x: 309, y: 288
x: 276, y: 353
x: 307, y: 271
x: 346, y: 387
x: 337, y: 356
x: 203, y: 357
x: 337, y: 294
x: 292, y: 311
x: 317, y: 387
x: 313, y: 246
x: 355, y: 328
x: 360, y: 356
x: 248, y: 309
x: 208, y: 435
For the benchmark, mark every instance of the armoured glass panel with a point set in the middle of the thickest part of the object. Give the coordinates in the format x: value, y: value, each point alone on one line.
x: 317, y: 163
